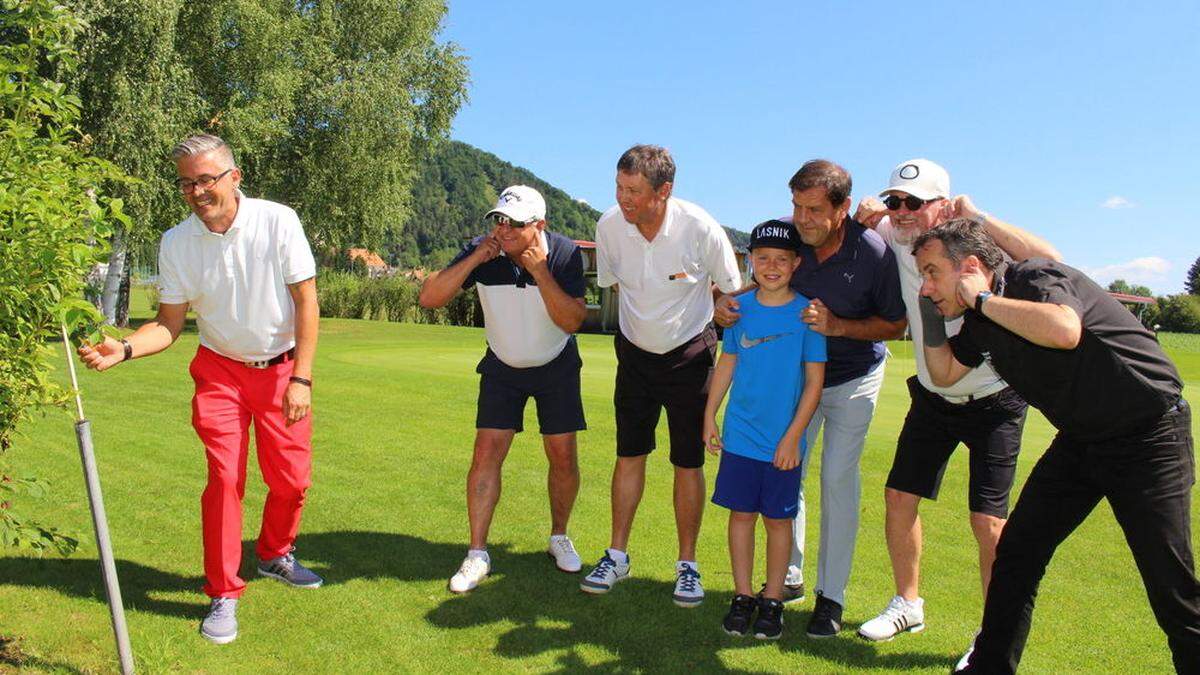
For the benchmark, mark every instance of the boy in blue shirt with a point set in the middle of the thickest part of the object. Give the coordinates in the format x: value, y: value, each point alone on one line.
x: 776, y: 364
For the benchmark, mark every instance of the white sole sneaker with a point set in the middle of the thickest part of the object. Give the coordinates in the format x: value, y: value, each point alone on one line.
x: 915, y: 628
x: 279, y: 577
x: 561, y: 568
x: 224, y: 640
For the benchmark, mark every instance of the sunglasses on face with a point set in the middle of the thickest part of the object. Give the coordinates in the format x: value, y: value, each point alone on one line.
x: 893, y: 202
x: 206, y: 182
x: 501, y: 219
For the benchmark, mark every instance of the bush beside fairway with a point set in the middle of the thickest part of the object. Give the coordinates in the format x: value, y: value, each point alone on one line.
x: 386, y: 523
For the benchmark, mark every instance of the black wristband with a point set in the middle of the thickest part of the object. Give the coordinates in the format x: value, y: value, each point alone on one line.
x: 300, y: 380
x: 128, y: 349
x: 981, y: 298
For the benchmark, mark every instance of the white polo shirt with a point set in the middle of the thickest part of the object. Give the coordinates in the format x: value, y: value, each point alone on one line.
x: 979, y: 382
x: 665, y: 295
x: 236, y: 282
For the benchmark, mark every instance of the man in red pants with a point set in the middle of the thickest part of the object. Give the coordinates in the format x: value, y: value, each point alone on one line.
x: 245, y: 268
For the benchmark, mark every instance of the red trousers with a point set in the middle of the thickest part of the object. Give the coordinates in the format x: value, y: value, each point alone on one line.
x: 229, y: 395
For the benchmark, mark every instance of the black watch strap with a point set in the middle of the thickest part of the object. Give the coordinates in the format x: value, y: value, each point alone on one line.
x: 980, y: 299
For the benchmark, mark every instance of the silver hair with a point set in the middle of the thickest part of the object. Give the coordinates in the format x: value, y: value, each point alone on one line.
x: 202, y: 143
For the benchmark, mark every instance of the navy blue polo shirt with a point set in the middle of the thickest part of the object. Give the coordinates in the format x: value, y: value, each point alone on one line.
x: 519, y: 329
x: 858, y: 281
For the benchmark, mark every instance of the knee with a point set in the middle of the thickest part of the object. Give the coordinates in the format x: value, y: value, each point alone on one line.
x: 742, y: 518
x: 986, y: 526
x: 901, y: 503
x: 562, y: 456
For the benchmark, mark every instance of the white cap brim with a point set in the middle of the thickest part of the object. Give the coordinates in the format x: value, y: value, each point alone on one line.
x: 914, y: 190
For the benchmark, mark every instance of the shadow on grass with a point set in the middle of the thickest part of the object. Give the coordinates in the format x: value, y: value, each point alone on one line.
x: 636, y: 624
x: 80, y: 577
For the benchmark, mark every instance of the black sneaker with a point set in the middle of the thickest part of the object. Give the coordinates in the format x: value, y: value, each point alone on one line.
x: 769, y: 624
x: 791, y: 592
x: 741, y: 612
x: 826, y: 618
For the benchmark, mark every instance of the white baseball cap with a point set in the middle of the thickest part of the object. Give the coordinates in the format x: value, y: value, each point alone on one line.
x: 521, y: 203
x: 920, y: 178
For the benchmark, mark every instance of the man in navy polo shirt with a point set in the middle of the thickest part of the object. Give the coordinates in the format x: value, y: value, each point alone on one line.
x: 851, y: 276
x: 531, y: 286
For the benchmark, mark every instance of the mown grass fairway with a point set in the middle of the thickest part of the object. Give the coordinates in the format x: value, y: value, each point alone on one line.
x: 386, y: 524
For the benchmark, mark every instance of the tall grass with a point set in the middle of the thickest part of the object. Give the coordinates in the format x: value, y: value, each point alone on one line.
x: 344, y: 295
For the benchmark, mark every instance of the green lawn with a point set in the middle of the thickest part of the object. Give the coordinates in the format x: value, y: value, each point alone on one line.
x: 386, y: 524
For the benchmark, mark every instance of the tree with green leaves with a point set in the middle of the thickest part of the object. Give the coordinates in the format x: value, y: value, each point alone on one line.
x: 1192, y: 284
x: 329, y: 105
x: 1122, y: 286
x: 54, y: 218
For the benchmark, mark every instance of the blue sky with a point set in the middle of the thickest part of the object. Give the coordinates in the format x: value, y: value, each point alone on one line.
x: 1079, y: 121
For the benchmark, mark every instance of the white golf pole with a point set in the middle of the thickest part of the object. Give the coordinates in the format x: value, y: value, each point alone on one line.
x: 83, y: 434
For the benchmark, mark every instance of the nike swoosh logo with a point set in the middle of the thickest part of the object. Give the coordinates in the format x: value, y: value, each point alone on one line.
x: 748, y: 342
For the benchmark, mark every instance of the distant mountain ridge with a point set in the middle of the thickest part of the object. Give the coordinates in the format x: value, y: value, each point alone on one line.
x: 457, y: 184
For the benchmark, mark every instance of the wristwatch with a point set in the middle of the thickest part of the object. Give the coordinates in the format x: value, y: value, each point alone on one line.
x: 980, y: 299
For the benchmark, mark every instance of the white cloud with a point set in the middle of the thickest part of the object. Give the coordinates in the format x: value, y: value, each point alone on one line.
x: 1149, y: 271
x: 1117, y: 202
x: 583, y: 201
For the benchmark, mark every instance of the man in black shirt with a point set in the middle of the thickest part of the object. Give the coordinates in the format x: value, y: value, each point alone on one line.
x: 1101, y: 378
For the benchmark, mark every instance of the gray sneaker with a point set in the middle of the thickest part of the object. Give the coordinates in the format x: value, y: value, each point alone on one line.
x: 220, y: 624
x: 289, y: 570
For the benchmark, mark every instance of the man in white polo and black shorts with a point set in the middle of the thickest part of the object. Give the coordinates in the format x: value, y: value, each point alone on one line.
x: 665, y: 255
x: 979, y: 411
x: 531, y: 286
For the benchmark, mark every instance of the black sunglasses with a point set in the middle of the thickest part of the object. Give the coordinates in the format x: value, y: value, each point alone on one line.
x: 893, y: 202
x: 501, y: 219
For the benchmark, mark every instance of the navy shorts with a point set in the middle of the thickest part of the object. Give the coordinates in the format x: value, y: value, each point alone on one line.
x: 990, y: 427
x: 676, y: 381
x: 504, y: 390
x: 754, y: 486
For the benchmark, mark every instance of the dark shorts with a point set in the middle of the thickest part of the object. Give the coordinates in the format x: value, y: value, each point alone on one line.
x: 677, y: 381
x: 990, y: 427
x: 504, y: 390
x: 754, y: 486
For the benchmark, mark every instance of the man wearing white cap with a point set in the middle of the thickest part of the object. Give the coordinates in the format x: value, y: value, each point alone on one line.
x: 531, y: 286
x: 980, y: 410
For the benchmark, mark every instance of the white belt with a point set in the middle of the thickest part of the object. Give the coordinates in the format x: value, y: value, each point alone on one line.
x: 975, y: 396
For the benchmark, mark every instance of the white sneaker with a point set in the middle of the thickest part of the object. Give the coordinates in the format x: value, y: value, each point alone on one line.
x: 563, y: 552
x: 474, y: 569
x: 688, y: 591
x: 901, y: 616
x: 964, y: 661
x: 604, y: 575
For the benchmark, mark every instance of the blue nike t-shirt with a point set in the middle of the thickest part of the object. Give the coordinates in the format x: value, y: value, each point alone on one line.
x: 772, y: 344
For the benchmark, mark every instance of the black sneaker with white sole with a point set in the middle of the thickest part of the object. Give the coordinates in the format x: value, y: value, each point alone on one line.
x: 826, y: 619
x: 769, y: 624
x: 741, y: 615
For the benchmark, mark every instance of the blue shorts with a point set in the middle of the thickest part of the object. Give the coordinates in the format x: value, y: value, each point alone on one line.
x: 753, y: 486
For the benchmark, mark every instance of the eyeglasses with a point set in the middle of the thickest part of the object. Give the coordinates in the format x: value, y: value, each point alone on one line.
x: 501, y: 219
x: 185, y: 185
x: 893, y: 202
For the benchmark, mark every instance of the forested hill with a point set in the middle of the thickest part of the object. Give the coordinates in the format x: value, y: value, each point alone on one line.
x: 457, y: 185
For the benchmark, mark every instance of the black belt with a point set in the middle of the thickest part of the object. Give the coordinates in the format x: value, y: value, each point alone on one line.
x: 282, y: 358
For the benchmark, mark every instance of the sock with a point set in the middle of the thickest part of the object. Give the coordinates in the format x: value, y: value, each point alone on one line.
x: 619, y: 557
x: 479, y: 553
x: 691, y: 563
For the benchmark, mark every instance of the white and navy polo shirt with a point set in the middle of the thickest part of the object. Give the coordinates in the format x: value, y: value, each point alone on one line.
x: 519, y: 329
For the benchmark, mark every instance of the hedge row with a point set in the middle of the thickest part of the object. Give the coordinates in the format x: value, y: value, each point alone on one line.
x: 344, y: 295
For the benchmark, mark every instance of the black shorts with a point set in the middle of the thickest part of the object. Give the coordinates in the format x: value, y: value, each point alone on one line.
x: 990, y: 427
x: 504, y: 390
x: 678, y: 381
